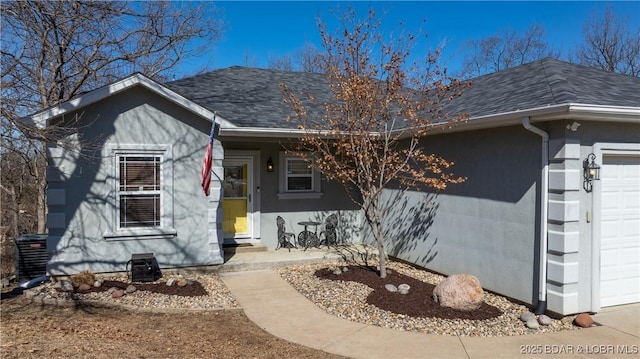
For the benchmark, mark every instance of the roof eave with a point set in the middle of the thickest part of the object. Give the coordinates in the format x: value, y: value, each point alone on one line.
x: 261, y: 132
x: 41, y: 119
x: 568, y: 111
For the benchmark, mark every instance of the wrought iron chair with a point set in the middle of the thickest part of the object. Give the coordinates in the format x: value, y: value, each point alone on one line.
x: 329, y: 232
x: 285, y: 239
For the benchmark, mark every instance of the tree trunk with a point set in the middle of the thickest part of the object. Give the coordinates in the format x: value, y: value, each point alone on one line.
x: 374, y: 218
x: 41, y: 211
x: 15, y: 214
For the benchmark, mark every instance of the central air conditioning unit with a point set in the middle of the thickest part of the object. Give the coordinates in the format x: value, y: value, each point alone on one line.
x: 31, y: 256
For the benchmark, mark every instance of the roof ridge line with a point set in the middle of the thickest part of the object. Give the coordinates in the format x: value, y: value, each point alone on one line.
x: 559, y: 85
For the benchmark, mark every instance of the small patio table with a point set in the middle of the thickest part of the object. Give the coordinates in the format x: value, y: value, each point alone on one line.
x: 307, y: 238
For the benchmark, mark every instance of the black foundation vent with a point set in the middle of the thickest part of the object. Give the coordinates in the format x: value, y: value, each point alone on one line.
x: 143, y: 267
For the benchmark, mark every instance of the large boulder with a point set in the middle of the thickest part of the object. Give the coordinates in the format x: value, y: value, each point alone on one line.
x: 459, y: 291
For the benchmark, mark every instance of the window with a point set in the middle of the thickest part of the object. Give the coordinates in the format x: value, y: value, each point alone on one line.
x: 139, y: 191
x: 299, y: 175
x: 140, y: 201
x: 298, y: 179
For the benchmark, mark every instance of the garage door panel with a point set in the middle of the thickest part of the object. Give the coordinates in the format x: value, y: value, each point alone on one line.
x: 620, y: 230
x: 631, y: 229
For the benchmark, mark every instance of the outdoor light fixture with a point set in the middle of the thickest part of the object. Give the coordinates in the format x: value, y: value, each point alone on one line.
x: 591, y: 172
x: 269, y: 165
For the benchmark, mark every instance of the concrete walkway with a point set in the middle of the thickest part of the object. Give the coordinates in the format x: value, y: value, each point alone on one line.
x: 274, y: 305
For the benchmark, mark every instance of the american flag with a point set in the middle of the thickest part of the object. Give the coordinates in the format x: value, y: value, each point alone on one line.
x: 206, y: 162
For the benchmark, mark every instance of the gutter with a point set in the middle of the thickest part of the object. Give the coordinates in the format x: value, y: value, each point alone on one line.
x: 544, y: 189
x: 566, y: 111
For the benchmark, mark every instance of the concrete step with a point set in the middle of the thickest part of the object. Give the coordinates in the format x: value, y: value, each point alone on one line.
x: 244, y: 248
x: 272, y: 259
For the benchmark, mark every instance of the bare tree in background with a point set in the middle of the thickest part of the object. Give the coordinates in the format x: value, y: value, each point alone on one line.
x: 52, y: 51
x: 372, y: 135
x: 609, y: 45
x: 280, y: 63
x: 305, y: 59
x: 507, y: 48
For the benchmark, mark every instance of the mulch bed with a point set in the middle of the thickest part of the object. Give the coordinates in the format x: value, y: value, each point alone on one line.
x: 416, y: 303
x: 193, y: 290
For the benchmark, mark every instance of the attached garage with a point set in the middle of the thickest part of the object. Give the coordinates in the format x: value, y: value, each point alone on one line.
x: 619, y: 229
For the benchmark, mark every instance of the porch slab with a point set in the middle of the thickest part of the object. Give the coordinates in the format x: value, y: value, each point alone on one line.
x: 238, y: 261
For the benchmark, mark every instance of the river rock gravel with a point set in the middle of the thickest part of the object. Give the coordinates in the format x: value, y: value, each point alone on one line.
x: 344, y: 299
x: 217, y: 295
x: 348, y: 300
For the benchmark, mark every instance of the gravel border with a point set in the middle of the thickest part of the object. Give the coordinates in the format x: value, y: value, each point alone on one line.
x: 343, y: 299
x: 347, y: 300
x: 219, y: 295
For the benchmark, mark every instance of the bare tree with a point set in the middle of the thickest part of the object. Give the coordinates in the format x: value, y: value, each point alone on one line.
x: 52, y: 51
x: 280, y: 63
x: 507, y: 48
x: 609, y: 45
x: 249, y: 60
x: 307, y: 58
x: 372, y: 135
x: 304, y: 59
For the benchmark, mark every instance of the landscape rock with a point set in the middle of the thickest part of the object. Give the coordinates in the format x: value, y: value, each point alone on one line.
x: 181, y: 283
x: 526, y: 316
x: 403, y: 288
x: 459, y: 291
x: 567, y: 320
x: 583, y: 320
x: 544, y: 320
x: 119, y: 293
x: 111, y: 290
x: 97, y: 284
x: 337, y: 271
x: 345, y: 269
x: 64, y: 285
x: 83, y: 287
x: 189, y: 282
x: 171, y: 282
x: 391, y: 288
x: 130, y: 289
x: 533, y: 323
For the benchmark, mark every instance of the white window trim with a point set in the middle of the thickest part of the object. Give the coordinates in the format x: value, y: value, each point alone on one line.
x: 166, y: 229
x: 283, y: 193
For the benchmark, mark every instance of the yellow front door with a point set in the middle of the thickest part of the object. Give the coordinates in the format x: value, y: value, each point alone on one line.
x: 235, y: 204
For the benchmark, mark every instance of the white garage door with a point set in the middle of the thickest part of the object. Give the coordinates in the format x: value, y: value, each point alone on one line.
x: 620, y: 230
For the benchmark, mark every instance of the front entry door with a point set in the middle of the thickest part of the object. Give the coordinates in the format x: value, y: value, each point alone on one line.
x: 237, y: 201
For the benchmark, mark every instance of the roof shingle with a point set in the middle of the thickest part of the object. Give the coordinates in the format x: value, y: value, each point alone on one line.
x: 252, y: 97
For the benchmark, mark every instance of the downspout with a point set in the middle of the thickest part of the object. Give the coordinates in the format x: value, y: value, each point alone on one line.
x: 544, y: 189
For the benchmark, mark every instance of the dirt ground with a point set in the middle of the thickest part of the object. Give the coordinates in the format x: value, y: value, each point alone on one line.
x: 33, y: 331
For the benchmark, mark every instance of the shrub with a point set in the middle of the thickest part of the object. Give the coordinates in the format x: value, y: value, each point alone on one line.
x: 85, y: 277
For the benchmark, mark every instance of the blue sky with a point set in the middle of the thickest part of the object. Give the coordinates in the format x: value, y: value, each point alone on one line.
x: 264, y: 30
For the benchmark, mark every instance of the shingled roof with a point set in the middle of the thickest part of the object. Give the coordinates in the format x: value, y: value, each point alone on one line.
x: 543, y: 83
x: 252, y: 97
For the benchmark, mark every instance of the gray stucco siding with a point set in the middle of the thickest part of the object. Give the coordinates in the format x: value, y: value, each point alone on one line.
x: 133, y: 119
x: 486, y: 226
x: 332, y: 201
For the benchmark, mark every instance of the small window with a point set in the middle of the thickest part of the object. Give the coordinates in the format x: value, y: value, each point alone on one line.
x: 298, y: 179
x: 299, y: 175
x: 139, y: 192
